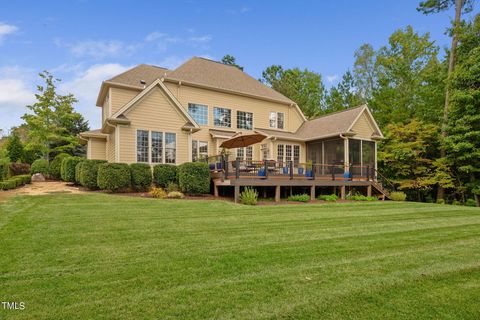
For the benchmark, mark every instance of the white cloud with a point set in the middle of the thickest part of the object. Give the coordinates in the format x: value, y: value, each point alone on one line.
x: 97, y: 49
x: 16, y: 91
x: 201, y: 39
x: 154, y: 36
x: 85, y: 85
x: 332, y: 78
x: 6, y: 29
x: 172, y: 62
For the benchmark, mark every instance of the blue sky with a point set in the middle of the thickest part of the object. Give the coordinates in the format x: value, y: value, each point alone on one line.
x: 84, y: 41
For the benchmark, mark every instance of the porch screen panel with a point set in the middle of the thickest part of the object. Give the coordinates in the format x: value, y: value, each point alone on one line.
x: 368, y: 153
x: 333, y: 151
x: 354, y: 152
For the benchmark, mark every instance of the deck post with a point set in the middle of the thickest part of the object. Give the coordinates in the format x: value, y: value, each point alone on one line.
x: 290, y: 164
x: 225, y: 166
x: 312, y: 193
x: 368, y: 173
x: 277, y: 193
x: 266, y: 168
x: 237, y: 168
x: 236, y: 194
x: 369, y: 190
x: 215, y: 190
x: 342, y: 192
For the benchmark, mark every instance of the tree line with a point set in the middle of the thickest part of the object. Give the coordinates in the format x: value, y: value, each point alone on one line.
x: 427, y: 103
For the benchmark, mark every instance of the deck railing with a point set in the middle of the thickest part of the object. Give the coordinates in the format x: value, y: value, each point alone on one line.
x: 270, y: 169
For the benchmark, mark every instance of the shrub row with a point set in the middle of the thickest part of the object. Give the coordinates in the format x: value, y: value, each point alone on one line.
x: 163, y: 174
x: 194, y: 177
x: 15, y: 182
x: 68, y: 168
x: 86, y: 172
x: 55, y: 168
x: 114, y: 176
x: 4, y: 167
x: 330, y: 197
x: 299, y: 197
x: 17, y: 168
x: 359, y: 197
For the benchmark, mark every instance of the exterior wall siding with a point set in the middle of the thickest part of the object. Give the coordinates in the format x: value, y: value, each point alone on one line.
x: 120, y: 97
x: 97, y: 148
x: 110, y: 151
x: 261, y: 109
x: 363, y: 127
x: 154, y: 113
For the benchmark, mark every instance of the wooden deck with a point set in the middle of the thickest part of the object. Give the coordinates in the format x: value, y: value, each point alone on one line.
x: 239, y: 174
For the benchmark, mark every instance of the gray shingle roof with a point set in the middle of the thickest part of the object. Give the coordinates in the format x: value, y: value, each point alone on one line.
x: 203, y: 72
x: 133, y: 76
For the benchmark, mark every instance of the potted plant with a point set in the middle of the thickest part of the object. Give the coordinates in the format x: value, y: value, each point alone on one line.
x: 309, y: 169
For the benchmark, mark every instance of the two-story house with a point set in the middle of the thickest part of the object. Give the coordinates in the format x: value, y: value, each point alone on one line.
x: 154, y: 115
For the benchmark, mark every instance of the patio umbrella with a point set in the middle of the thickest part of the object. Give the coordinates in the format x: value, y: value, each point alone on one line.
x: 241, y: 140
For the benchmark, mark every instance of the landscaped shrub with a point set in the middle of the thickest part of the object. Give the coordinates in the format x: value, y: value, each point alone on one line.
x: 330, y: 197
x: 39, y: 166
x: 456, y: 203
x: 4, y: 169
x: 359, y: 197
x: 78, y: 170
x: 163, y: 174
x: 175, y: 195
x: 15, y: 182
x: 194, y: 177
x: 299, y: 197
x: 114, y: 177
x: 439, y: 201
x: 68, y: 168
x: 172, y: 186
x: 398, y: 196
x: 54, y: 170
x: 471, y: 203
x: 88, y: 173
x: 158, y: 193
x: 17, y: 168
x: 141, y: 176
x: 249, y: 196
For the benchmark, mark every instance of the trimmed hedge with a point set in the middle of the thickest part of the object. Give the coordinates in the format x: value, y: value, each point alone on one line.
x: 68, y: 168
x: 15, y: 182
x: 88, y: 173
x: 141, y: 174
x: 78, y: 169
x: 114, y: 177
x: 17, y: 168
x: 163, y: 174
x: 56, y: 165
x: 39, y: 166
x: 194, y: 177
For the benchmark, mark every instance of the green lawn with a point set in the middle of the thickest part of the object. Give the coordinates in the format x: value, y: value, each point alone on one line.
x: 105, y: 256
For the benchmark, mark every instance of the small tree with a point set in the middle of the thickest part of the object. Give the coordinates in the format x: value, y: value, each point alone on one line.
x: 52, y: 123
x: 15, y: 149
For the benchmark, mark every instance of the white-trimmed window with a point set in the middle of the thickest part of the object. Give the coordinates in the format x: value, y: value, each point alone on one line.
x: 222, y: 117
x: 264, y: 150
x: 245, y: 153
x: 199, y: 150
x: 156, y: 147
x: 280, y: 153
x: 287, y: 153
x: 199, y: 113
x: 277, y: 120
x: 244, y: 120
x: 170, y: 147
x: 142, y: 146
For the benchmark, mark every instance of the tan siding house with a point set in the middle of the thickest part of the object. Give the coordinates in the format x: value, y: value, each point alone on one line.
x: 154, y: 115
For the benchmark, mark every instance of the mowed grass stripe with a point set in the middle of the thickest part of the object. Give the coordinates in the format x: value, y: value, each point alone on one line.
x: 128, y: 258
